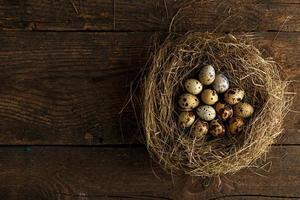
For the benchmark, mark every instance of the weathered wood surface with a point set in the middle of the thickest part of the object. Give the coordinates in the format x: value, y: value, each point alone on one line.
x: 61, y: 84
x: 56, y: 15
x: 68, y: 88
x: 124, y: 173
x: 154, y: 15
x: 232, y: 15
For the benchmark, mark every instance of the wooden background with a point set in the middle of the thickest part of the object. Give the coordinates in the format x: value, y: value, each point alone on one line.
x: 65, y: 71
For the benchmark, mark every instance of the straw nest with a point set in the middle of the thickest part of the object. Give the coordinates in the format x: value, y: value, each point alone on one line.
x: 181, y: 57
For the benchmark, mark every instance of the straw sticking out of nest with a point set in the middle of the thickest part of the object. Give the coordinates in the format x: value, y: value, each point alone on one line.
x: 243, y: 64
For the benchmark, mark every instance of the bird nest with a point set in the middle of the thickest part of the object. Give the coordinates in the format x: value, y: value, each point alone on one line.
x: 179, y: 58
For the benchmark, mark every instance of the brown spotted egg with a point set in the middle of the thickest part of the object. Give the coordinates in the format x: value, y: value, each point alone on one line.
x: 207, y: 75
x: 200, y: 128
x: 224, y: 111
x: 219, y: 105
x: 209, y: 96
x: 206, y: 112
x: 216, y: 128
x: 188, y: 101
x: 234, y: 96
x: 193, y: 86
x: 243, y: 110
x: 221, y: 83
x: 186, y: 119
x: 235, y: 125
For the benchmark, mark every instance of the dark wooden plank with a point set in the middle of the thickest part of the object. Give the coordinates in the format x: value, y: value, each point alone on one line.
x: 155, y: 15
x: 126, y: 173
x: 230, y: 15
x: 259, y: 184
x: 68, y: 88
x: 290, y: 61
x: 75, y: 173
x: 57, y: 15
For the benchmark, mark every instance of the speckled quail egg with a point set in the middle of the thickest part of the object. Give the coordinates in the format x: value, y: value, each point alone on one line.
x: 188, y: 101
x: 209, y: 96
x: 193, y: 86
x: 207, y: 75
x: 224, y: 111
x: 206, y: 112
x: 243, y: 110
x: 221, y: 83
x: 234, y: 96
x: 186, y: 119
x: 235, y: 125
x: 200, y: 128
x: 220, y: 105
x: 216, y: 128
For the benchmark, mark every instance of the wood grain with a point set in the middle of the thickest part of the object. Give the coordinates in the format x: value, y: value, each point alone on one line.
x: 55, y: 87
x: 68, y: 88
x: 126, y: 173
x: 63, y: 84
x: 241, y: 15
x: 155, y: 15
x: 57, y: 15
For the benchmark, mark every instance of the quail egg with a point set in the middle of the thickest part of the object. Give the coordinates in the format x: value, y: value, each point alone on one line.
x: 209, y: 96
x: 207, y: 75
x: 225, y: 111
x: 188, y: 101
x: 206, y: 112
x: 234, y: 96
x: 216, y: 128
x: 243, y: 110
x: 200, y: 128
x: 220, y: 105
x: 221, y: 83
x: 193, y: 86
x: 186, y: 119
x: 235, y: 125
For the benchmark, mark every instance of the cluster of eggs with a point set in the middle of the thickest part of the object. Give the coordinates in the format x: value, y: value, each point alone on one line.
x: 221, y: 109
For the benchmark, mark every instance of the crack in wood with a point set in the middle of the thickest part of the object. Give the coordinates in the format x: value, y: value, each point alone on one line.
x: 255, y: 195
x: 128, y: 196
x: 114, y: 15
